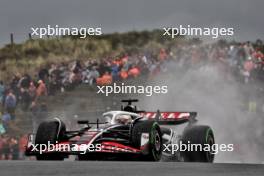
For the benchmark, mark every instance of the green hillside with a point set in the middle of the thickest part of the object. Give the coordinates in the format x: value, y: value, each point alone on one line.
x: 34, y: 53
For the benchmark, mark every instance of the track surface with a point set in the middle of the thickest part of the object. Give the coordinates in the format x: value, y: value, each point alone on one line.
x: 30, y: 168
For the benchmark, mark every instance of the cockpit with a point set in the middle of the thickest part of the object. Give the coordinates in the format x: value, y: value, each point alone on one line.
x: 119, y: 117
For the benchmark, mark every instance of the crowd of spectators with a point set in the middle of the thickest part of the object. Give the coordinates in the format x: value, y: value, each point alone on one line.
x: 26, y: 92
x: 12, y: 147
x: 240, y: 62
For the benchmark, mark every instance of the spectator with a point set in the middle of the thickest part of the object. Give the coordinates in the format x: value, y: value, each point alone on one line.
x: 25, y: 99
x: 106, y: 79
x: 32, y: 91
x: 2, y: 128
x: 6, y: 118
x: 14, y: 86
x: 163, y: 55
x: 24, y: 82
x: 22, y: 143
x: 134, y: 72
x: 5, y: 147
x: 115, y: 70
x: 10, y: 104
x: 2, y: 91
x: 123, y: 74
x: 1, y: 146
x: 41, y: 89
x: 14, y: 149
x: 43, y: 74
x: 76, y: 76
x: 94, y: 74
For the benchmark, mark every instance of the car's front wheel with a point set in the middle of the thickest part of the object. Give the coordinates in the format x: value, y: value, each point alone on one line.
x: 50, y: 132
x: 154, y: 144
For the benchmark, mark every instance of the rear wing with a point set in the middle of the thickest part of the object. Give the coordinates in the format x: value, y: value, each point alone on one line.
x: 171, y: 118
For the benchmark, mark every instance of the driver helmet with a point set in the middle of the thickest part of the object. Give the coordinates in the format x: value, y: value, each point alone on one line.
x: 123, y: 119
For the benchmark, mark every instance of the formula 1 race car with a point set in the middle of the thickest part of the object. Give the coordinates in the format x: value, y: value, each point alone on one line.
x: 128, y: 134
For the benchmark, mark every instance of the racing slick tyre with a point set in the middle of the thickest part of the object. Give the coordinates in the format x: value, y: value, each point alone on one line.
x: 154, y: 146
x: 51, y: 131
x: 204, y: 137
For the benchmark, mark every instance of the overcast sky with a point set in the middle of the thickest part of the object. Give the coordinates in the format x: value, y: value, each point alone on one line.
x: 18, y: 16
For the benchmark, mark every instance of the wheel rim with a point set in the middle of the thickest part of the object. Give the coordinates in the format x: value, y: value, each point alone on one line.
x: 157, y: 141
x: 210, y: 155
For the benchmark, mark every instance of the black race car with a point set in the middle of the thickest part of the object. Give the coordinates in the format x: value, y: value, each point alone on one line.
x: 128, y: 134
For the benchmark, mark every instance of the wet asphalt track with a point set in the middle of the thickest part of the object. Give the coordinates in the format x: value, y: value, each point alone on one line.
x: 69, y: 168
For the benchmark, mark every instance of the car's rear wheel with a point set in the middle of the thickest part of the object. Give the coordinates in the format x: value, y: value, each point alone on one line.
x: 154, y: 145
x: 50, y: 132
x: 201, y: 136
